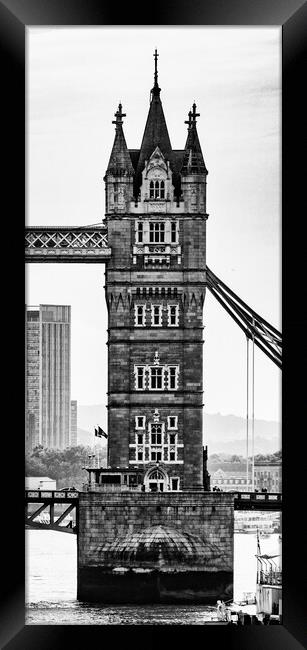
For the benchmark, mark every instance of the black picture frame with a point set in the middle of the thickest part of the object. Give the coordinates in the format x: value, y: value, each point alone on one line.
x: 15, y: 15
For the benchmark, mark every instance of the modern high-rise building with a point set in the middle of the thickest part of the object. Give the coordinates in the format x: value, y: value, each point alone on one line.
x: 48, y: 404
x: 73, y: 423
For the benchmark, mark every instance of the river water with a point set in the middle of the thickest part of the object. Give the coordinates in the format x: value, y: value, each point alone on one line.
x: 51, y: 585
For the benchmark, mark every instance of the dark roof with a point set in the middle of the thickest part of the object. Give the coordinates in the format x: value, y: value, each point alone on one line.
x: 175, y: 160
x: 120, y: 161
x: 193, y: 161
x: 134, y: 155
x: 132, y: 161
x: 155, y: 135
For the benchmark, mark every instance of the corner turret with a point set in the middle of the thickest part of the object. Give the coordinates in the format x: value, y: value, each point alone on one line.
x: 193, y: 170
x: 120, y: 172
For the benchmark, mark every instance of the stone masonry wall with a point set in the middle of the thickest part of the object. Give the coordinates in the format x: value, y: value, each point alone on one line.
x: 103, y: 517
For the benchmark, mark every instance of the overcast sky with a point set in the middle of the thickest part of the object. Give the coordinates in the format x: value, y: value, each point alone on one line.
x: 75, y: 80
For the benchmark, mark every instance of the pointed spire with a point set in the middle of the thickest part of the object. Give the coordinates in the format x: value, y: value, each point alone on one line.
x: 155, y: 133
x: 120, y: 161
x: 193, y: 161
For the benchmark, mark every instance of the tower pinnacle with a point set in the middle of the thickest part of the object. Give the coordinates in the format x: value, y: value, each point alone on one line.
x: 189, y: 121
x: 118, y: 115
x: 194, y: 114
x: 156, y: 90
x: 193, y: 161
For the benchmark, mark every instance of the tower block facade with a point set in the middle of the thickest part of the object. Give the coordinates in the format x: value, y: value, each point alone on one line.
x: 155, y: 291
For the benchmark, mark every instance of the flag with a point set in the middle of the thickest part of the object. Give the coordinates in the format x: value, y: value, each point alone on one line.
x: 100, y: 433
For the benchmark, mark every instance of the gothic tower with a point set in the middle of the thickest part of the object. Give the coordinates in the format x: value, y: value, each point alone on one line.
x: 155, y: 291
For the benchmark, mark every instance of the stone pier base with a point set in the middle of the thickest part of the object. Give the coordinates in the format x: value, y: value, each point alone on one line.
x: 155, y: 548
x: 99, y: 585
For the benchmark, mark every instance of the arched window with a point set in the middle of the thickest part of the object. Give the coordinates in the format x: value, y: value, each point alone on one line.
x: 156, y: 190
x: 157, y: 475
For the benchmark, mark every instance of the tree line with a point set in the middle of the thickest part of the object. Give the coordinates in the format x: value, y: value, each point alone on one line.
x: 234, y: 458
x: 63, y: 465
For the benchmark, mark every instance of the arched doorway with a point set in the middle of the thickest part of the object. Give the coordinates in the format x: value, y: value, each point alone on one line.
x: 156, y: 481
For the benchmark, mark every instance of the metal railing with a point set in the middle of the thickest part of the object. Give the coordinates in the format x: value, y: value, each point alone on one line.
x: 273, y: 577
x: 95, y: 487
x: 258, y: 496
x: 43, y: 495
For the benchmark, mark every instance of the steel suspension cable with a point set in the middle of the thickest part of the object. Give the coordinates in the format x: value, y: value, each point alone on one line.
x: 247, y: 319
x: 274, y: 357
x: 253, y: 414
x: 250, y: 322
x: 247, y: 405
x: 232, y: 293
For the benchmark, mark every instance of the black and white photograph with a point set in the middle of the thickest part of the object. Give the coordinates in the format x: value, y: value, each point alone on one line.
x: 153, y: 326
x: 153, y: 420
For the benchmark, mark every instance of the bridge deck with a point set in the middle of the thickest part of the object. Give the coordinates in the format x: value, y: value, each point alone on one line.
x: 242, y: 500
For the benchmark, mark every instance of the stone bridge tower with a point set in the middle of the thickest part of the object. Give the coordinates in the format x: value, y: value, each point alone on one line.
x: 149, y: 528
x: 155, y: 292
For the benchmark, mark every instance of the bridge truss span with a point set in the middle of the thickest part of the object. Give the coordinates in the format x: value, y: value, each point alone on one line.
x: 40, y: 510
x: 87, y: 244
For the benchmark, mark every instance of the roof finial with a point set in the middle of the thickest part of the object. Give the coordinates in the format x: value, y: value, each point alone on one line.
x: 194, y: 114
x: 189, y: 121
x: 156, y: 89
x: 156, y: 66
x: 119, y: 115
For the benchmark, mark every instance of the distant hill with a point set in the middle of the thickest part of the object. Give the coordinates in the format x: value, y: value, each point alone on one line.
x: 222, y: 433
x: 84, y: 438
x: 227, y: 434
